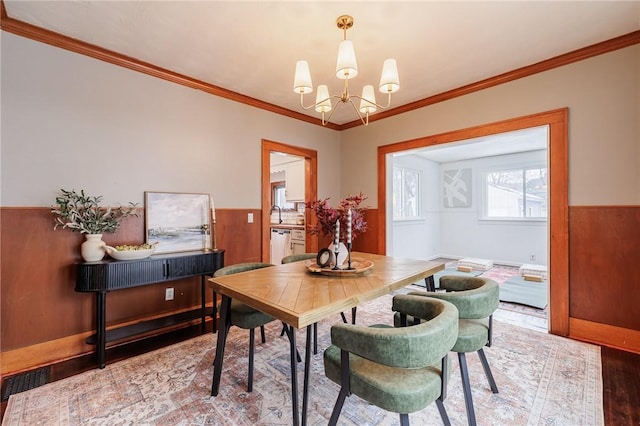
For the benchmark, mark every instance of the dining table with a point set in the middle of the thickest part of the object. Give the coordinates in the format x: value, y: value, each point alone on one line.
x: 300, y: 294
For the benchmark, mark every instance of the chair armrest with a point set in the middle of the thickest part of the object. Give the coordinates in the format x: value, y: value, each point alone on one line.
x: 413, y: 305
x: 400, y: 347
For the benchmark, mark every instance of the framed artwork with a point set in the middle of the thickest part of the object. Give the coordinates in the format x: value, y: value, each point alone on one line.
x: 177, y: 221
x: 457, y: 188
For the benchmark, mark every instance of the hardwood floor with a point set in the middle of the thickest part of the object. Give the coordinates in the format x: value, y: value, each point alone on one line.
x: 620, y: 374
x: 620, y: 387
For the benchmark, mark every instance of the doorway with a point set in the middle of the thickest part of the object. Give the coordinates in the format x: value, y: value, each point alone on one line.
x: 310, y: 190
x: 558, y: 196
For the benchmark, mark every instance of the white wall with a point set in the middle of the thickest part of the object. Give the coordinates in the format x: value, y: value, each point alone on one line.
x: 73, y: 122
x: 461, y: 232
x: 418, y: 238
x: 465, y: 234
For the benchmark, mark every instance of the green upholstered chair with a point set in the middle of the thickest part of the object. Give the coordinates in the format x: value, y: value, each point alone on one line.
x: 476, y: 299
x: 244, y: 316
x: 401, y: 369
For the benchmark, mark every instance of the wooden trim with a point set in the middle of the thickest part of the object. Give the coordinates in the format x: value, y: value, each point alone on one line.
x: 68, y: 347
x: 526, y: 71
x: 33, y: 32
x: 604, y: 334
x: 310, y: 190
x: 557, y: 120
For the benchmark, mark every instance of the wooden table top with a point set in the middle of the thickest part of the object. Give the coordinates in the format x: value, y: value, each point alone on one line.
x: 300, y: 298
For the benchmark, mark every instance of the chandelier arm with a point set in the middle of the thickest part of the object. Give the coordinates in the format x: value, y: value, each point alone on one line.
x: 358, y: 111
x: 374, y: 103
x: 317, y: 103
x: 332, y: 110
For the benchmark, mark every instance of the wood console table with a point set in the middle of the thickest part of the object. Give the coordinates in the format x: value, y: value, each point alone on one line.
x: 110, y: 275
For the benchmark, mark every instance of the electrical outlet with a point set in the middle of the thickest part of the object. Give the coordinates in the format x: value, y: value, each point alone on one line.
x: 532, y: 257
x: 249, y: 217
x: 168, y: 293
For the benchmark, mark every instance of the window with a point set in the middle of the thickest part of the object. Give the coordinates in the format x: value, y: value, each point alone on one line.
x: 279, y: 196
x: 516, y: 193
x: 406, y: 193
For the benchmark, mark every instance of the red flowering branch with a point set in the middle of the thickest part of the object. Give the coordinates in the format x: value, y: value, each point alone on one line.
x: 327, y: 216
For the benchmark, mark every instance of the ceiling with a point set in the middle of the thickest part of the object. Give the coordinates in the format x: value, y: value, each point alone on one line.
x: 251, y: 48
x: 525, y: 140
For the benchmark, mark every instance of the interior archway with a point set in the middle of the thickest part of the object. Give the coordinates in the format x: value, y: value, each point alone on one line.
x: 558, y: 196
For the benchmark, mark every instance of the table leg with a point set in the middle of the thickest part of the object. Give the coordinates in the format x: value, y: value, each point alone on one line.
x: 294, y: 375
x: 101, y: 327
x: 222, y: 339
x: 203, y: 307
x: 214, y: 314
x: 430, y: 283
x: 307, y: 368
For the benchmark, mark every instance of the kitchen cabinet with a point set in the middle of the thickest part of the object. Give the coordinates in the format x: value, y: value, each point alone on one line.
x: 294, y: 181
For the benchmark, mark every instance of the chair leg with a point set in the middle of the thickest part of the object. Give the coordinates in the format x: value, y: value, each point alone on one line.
x: 487, y: 371
x: 262, y: 334
x: 344, y: 318
x: 404, y: 419
x: 353, y: 314
x: 337, y: 408
x: 315, y: 338
x: 443, y: 412
x: 466, y: 387
x: 252, y: 335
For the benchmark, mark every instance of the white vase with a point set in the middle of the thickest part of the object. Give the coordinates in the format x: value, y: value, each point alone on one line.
x: 343, y: 253
x: 92, y: 249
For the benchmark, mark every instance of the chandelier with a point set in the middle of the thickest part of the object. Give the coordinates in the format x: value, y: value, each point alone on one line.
x: 346, y: 69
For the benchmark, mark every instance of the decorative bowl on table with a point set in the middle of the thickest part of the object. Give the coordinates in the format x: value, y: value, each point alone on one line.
x: 130, y: 252
x: 358, y: 266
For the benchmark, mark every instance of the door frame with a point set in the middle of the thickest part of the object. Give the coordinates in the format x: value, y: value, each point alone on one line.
x: 558, y: 237
x: 310, y: 191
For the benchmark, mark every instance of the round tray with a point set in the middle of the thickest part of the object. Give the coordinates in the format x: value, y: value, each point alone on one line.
x: 358, y: 266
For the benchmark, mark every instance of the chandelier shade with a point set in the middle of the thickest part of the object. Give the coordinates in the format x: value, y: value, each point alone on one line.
x: 368, y: 101
x: 323, y: 100
x: 302, y: 81
x: 346, y: 69
x: 389, y: 79
x: 346, y: 66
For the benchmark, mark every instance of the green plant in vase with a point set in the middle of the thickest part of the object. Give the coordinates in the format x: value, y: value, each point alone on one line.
x: 82, y: 213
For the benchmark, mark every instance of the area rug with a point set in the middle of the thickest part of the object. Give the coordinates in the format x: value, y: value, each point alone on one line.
x: 543, y: 379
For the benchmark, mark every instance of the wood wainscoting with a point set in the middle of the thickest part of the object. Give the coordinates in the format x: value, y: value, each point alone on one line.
x: 43, y: 319
x: 604, y: 284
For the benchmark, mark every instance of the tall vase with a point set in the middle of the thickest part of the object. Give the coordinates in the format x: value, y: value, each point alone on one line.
x: 92, y: 249
x: 343, y: 253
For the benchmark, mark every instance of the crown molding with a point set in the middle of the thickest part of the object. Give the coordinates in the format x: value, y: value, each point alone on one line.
x: 33, y: 32
x: 546, y: 65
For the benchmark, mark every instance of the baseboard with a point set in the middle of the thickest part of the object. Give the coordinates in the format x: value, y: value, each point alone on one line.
x: 605, y: 335
x: 74, y: 346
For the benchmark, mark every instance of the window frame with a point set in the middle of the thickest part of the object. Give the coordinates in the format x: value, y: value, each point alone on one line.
x: 484, y: 199
x: 418, y: 194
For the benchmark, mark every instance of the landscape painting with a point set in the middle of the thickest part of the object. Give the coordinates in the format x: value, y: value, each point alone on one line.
x: 177, y: 221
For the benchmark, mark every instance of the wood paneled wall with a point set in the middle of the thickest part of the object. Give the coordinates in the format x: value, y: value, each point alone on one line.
x: 38, y: 303
x: 604, y: 284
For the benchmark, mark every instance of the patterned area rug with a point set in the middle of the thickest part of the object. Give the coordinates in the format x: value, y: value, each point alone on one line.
x: 543, y: 379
